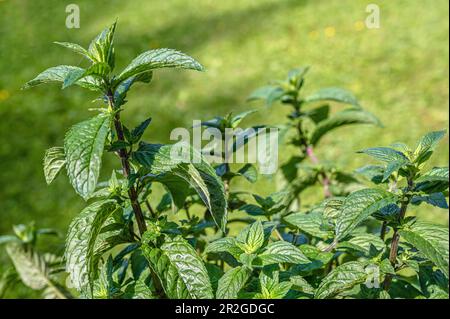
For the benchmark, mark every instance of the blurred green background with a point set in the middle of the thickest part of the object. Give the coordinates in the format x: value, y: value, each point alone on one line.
x: 399, y: 72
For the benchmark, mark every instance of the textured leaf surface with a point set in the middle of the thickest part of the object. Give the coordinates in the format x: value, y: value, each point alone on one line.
x: 180, y: 270
x: 177, y: 174
x: 232, y: 282
x: 59, y: 74
x: 54, y: 161
x: 310, y: 223
x: 83, y: 146
x: 35, y: 271
x: 358, y: 206
x: 283, y: 252
x: 431, y: 241
x: 427, y: 144
x: 333, y: 94
x: 226, y: 244
x: 81, y: 240
x: 75, y: 48
x: 341, y: 278
x: 385, y: 154
x: 156, y: 59
x: 436, y: 174
x: 343, y: 118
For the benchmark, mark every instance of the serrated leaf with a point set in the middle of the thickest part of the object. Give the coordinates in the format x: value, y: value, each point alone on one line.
x: 101, y: 48
x: 343, y: 118
x: 434, y: 199
x: 340, y: 279
x: 310, y: 223
x: 283, y: 252
x: 232, y: 282
x: 333, y: 94
x: 358, y: 206
x: 98, y: 70
x: 431, y: 241
x: 385, y: 154
x: 251, y: 238
x: 362, y: 242
x: 81, y: 242
x: 436, y: 174
x: 139, y: 130
x: 54, y: 161
x: 157, y: 59
x: 374, y: 173
x: 34, y: 270
x: 237, y: 119
x: 159, y: 163
x: 60, y: 73
x: 427, y: 145
x: 75, y: 48
x: 392, y: 167
x: 226, y: 244
x: 83, y: 146
x: 181, y: 271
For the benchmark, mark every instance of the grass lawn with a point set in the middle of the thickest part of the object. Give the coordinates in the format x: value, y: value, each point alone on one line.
x: 399, y: 72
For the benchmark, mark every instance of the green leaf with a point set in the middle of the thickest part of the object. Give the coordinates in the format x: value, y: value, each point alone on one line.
x: 54, y: 160
x: 358, y: 206
x: 249, y: 172
x: 333, y: 94
x: 426, y: 146
x: 60, y: 73
x: 362, y: 242
x: 319, y: 114
x: 270, y: 94
x: 163, y: 165
x: 237, y: 119
x: 393, y: 167
x: 251, y: 238
x: 300, y: 284
x: 83, y: 146
x: 139, y: 130
x: 374, y: 173
x: 34, y: 270
x: 81, y: 243
x: 157, y: 59
x: 343, y: 118
x: 434, y: 199
x: 283, y: 252
x: 75, y: 48
x: 232, y: 282
x: 271, y: 287
x: 226, y: 244
x: 431, y: 241
x: 180, y: 269
x: 98, y: 70
x: 101, y: 49
x: 311, y: 223
x: 340, y: 279
x: 436, y: 174
x: 385, y: 154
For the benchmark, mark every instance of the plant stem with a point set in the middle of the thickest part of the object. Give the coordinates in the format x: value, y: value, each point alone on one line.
x: 396, y: 236
x: 325, y: 179
x: 383, y: 230
x: 132, y: 193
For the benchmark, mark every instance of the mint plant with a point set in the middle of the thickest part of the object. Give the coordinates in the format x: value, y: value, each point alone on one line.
x: 309, y: 121
x: 355, y: 243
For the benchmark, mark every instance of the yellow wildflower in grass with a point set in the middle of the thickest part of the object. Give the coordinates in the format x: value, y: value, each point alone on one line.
x: 330, y: 32
x: 359, y: 25
x: 4, y: 95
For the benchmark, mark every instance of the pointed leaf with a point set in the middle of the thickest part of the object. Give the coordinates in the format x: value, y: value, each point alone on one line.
x: 83, y: 146
x: 283, y: 252
x: 81, y: 242
x: 340, y: 279
x: 358, y: 206
x: 431, y: 241
x: 157, y: 59
x: 343, y: 118
x: 180, y: 269
x: 54, y: 161
x: 333, y: 94
x: 232, y: 282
